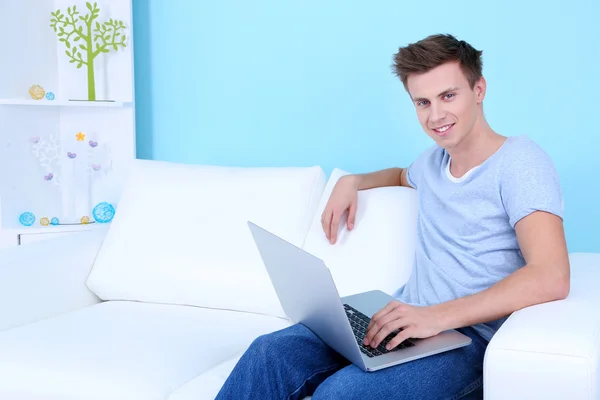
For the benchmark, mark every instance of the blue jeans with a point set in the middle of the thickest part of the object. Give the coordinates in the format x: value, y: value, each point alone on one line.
x: 293, y: 363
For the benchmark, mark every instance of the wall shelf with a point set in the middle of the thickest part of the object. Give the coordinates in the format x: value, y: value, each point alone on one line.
x: 64, y: 103
x: 34, y: 230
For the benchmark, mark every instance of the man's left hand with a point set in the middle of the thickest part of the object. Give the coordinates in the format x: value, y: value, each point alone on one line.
x: 414, y: 322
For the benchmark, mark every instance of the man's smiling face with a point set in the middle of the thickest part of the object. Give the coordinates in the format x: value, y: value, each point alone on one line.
x: 447, y: 107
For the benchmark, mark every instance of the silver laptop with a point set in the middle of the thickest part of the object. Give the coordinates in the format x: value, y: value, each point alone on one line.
x: 309, y: 296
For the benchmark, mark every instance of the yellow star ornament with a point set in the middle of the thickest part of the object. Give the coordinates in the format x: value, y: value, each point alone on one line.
x: 80, y: 136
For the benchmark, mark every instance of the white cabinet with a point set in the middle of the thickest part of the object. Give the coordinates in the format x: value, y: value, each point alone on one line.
x: 67, y: 114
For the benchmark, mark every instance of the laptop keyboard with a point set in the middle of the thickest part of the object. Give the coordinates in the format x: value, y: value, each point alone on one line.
x: 359, y: 323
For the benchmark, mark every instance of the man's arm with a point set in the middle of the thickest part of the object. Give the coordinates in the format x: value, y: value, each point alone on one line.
x: 382, y: 178
x: 544, y: 278
x: 344, y: 196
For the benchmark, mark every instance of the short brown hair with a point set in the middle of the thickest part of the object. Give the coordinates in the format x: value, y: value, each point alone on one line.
x: 435, y: 50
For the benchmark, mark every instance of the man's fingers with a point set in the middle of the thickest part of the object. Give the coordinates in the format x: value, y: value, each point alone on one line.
x: 378, y: 326
x: 399, y: 338
x: 326, y: 223
x: 335, y: 223
x: 351, y: 215
x: 381, y: 330
x: 384, y: 311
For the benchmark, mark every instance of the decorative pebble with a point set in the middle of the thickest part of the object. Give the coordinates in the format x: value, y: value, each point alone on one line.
x: 44, y: 221
x: 27, y: 219
x: 50, y: 96
x: 54, y: 221
x: 37, y: 92
x: 103, y: 212
x: 85, y: 220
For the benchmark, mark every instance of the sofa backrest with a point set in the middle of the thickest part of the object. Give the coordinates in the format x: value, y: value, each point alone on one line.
x: 378, y: 253
x: 180, y: 234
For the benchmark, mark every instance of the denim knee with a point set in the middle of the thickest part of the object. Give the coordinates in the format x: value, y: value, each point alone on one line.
x: 262, y: 345
x: 276, y: 346
x: 269, y: 344
x: 333, y: 389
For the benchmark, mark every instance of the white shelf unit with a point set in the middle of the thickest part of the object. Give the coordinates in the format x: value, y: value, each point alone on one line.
x: 63, y: 154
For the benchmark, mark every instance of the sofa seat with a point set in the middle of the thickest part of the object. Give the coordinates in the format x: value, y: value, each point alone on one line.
x: 122, y: 350
x: 207, y: 385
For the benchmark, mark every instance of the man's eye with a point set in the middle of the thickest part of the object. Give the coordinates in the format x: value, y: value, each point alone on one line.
x: 449, y: 95
x: 422, y: 103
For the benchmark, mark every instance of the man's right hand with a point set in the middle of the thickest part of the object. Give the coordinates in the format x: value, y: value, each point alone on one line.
x: 344, y: 197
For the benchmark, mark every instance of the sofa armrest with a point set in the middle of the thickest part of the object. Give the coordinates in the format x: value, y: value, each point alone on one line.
x: 551, y: 350
x: 46, y: 278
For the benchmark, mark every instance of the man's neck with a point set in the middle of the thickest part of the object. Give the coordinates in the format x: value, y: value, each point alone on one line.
x: 477, y: 147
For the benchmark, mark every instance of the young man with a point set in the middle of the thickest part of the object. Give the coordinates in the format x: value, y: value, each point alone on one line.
x: 490, y: 242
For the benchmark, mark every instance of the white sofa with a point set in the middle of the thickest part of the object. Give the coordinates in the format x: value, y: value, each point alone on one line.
x: 162, y: 304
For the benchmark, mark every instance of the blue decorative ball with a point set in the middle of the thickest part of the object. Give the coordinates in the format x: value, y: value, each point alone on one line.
x: 103, y: 212
x: 27, y: 218
x: 54, y: 221
x: 50, y: 96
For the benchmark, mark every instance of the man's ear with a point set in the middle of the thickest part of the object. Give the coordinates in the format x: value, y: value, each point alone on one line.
x: 480, y: 88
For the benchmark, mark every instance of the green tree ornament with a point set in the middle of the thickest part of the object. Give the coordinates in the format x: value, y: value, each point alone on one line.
x: 85, y: 40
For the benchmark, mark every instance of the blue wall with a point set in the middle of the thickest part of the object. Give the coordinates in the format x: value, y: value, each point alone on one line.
x: 271, y: 82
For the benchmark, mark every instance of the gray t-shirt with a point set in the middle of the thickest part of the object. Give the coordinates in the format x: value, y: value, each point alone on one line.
x: 466, y: 239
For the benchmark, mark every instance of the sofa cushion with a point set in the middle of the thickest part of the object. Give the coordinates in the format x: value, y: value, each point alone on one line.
x: 180, y: 234
x: 208, y: 385
x: 379, y: 252
x: 122, y: 350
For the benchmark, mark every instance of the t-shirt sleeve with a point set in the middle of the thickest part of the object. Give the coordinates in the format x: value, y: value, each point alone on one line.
x: 529, y: 182
x: 414, y: 172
